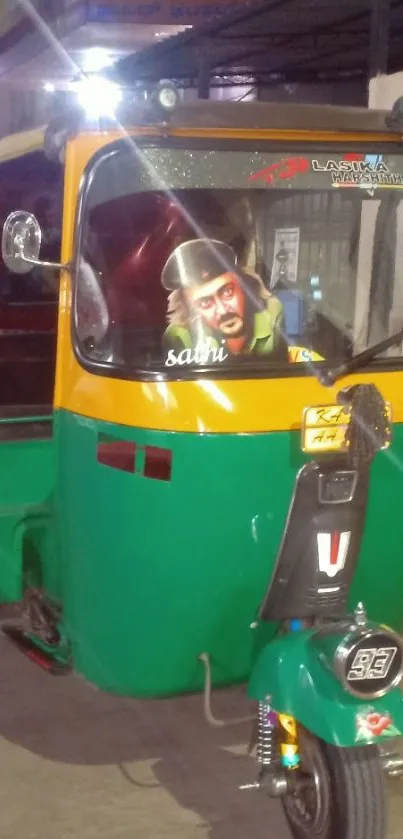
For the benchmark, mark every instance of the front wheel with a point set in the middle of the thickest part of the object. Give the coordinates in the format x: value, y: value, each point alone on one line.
x: 336, y: 793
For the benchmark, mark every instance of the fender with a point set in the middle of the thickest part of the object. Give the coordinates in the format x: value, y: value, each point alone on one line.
x: 290, y: 676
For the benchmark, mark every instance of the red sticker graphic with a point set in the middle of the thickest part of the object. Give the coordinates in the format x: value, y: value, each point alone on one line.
x: 353, y: 156
x: 286, y: 169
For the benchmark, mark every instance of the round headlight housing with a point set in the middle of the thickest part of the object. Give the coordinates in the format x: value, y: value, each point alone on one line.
x: 369, y: 662
x: 166, y: 96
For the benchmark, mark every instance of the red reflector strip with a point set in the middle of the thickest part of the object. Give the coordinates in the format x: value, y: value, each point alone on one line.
x: 334, y: 552
x: 158, y: 463
x: 118, y: 454
x: 38, y: 659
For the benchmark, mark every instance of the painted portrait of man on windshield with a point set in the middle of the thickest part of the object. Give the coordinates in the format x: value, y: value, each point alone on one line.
x: 216, y: 310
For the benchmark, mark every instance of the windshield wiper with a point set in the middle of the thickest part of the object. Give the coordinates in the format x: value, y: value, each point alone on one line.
x: 331, y: 375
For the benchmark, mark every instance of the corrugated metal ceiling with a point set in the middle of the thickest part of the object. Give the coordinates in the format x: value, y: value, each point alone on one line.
x: 292, y: 40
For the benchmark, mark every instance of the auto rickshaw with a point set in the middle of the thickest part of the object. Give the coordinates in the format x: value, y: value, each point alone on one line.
x: 213, y: 496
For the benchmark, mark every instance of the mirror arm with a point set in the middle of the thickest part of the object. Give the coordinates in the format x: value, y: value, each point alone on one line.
x: 41, y: 264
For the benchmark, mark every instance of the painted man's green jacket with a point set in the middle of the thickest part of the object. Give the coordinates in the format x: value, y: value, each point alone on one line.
x: 267, y: 334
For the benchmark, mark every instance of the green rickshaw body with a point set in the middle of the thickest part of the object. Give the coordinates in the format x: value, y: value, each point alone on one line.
x: 195, y: 554
x: 173, y: 479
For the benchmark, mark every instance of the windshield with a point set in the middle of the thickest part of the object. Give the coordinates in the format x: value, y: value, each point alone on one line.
x: 237, y: 260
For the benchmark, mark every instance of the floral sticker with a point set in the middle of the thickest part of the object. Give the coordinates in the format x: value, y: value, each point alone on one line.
x: 371, y: 723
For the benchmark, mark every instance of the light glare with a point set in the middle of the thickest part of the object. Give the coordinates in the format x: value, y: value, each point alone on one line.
x: 98, y: 96
x: 96, y: 59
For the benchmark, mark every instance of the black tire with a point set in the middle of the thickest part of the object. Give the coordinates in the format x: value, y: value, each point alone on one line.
x: 348, y: 797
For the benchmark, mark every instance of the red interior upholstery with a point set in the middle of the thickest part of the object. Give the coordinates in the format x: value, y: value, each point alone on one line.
x: 136, y: 236
x: 29, y: 317
x: 28, y: 307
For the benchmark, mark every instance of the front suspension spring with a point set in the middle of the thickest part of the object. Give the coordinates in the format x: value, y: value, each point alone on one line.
x: 266, y: 740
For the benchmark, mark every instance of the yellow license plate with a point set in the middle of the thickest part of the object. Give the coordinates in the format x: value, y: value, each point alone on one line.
x: 324, y: 428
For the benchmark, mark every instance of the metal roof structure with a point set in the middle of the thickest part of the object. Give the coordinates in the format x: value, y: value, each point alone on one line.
x: 210, y: 117
x: 279, y: 41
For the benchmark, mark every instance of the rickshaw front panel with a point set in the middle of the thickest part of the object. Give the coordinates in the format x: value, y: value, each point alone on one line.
x: 172, y: 498
x: 213, y: 501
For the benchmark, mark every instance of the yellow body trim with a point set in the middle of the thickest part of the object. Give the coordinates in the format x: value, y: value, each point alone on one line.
x: 81, y: 149
x: 255, y: 405
x: 276, y: 134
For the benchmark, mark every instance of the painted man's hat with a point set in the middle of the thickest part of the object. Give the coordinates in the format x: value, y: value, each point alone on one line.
x: 196, y: 262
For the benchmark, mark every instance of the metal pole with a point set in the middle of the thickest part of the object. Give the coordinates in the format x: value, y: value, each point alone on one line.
x: 379, y: 38
x: 203, y: 77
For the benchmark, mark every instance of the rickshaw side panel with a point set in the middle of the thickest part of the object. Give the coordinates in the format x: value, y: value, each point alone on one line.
x: 26, y: 519
x: 193, y: 551
x: 160, y: 571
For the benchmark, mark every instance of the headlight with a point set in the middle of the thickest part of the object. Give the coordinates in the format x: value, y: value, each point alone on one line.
x: 165, y: 96
x: 369, y: 662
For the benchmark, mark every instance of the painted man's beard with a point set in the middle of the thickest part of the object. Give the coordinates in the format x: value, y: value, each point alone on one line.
x: 231, y: 325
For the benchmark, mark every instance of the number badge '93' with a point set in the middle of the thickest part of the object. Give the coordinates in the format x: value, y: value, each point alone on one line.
x: 369, y: 663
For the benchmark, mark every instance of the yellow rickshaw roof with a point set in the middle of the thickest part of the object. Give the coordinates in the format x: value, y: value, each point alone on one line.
x: 278, y: 116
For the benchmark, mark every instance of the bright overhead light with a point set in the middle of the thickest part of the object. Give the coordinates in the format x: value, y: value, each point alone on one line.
x: 49, y: 87
x: 97, y: 96
x: 96, y: 59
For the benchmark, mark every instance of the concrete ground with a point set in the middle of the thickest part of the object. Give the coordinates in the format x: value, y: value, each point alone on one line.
x: 78, y: 763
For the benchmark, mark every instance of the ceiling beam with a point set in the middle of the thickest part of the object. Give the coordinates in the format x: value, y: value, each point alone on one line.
x: 315, y: 47
x: 379, y: 39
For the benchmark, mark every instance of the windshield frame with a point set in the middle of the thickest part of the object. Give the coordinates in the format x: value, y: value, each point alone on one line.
x: 246, y: 369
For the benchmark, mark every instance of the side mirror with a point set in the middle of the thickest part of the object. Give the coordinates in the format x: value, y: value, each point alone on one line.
x: 21, y: 243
